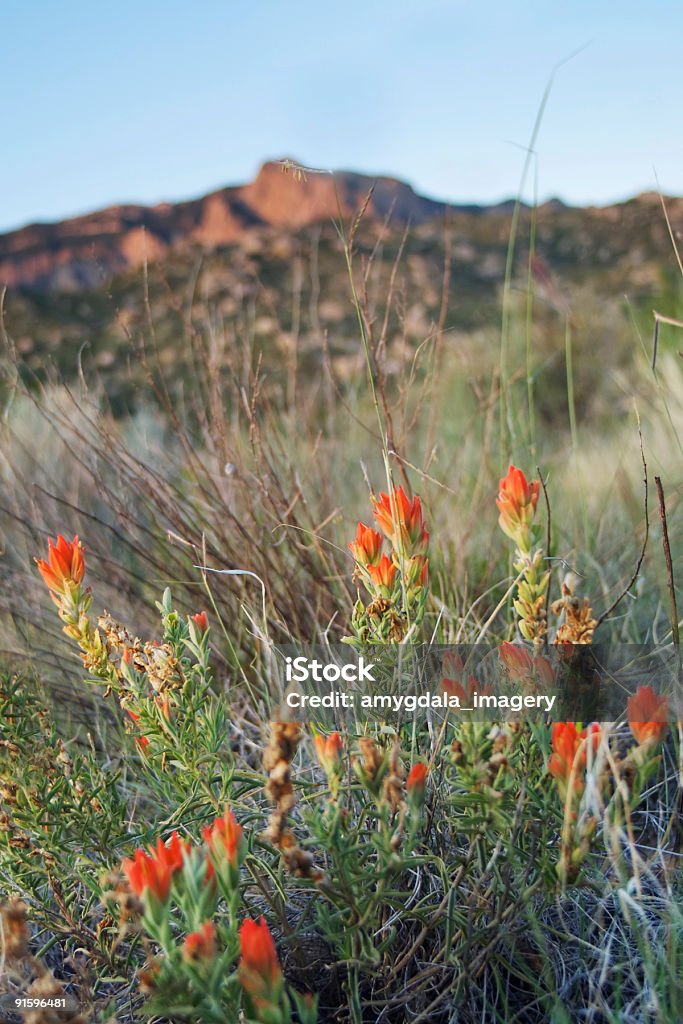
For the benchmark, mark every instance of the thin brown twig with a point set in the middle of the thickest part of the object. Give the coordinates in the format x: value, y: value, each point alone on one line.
x: 548, y: 537
x: 669, y: 574
x: 639, y: 563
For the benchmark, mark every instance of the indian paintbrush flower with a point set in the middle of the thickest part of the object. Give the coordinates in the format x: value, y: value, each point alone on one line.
x: 416, y: 783
x: 201, y: 944
x: 516, y: 501
x: 201, y: 621
x: 648, y: 715
x: 329, y: 750
x: 367, y: 546
x: 225, y: 837
x: 524, y: 667
x: 152, y: 871
x: 259, y: 967
x: 401, y: 520
x: 383, y: 574
x: 64, y: 569
x: 570, y: 755
x: 141, y: 741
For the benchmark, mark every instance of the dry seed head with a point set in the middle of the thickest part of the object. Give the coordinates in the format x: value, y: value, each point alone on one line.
x: 11, y: 748
x: 117, y: 636
x: 579, y: 625
x: 392, y: 790
x: 457, y: 753
x: 47, y: 987
x: 15, y: 933
x: 282, y: 745
x: 378, y: 608
x: 8, y: 792
x: 162, y: 667
x: 373, y: 759
x: 147, y: 976
x: 19, y: 842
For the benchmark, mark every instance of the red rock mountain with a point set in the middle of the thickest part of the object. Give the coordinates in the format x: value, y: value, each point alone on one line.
x: 84, y: 251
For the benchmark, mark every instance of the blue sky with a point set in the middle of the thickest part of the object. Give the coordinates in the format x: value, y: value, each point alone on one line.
x: 162, y: 99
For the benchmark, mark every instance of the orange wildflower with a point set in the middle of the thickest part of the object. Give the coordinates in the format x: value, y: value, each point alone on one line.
x: 453, y: 679
x: 367, y: 545
x: 516, y: 501
x: 153, y: 871
x: 201, y: 620
x: 225, y: 836
x: 401, y: 520
x: 454, y: 688
x: 384, y: 573
x: 329, y: 750
x: 259, y: 968
x: 570, y: 754
x: 200, y: 945
x: 64, y: 569
x: 648, y: 715
x: 522, y: 666
x: 416, y: 783
x: 142, y: 741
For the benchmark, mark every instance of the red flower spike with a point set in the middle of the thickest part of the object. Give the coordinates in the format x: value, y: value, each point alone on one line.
x: 142, y: 741
x: 517, y: 660
x: 454, y: 688
x: 523, y: 667
x: 570, y: 754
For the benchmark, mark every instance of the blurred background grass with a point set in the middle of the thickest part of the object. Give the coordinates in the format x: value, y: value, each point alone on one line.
x: 173, y: 420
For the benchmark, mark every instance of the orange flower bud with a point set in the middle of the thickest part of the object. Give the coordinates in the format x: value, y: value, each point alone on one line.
x: 329, y: 750
x: 384, y: 573
x: 570, y: 754
x: 367, y: 545
x: 64, y: 569
x: 516, y: 501
x: 153, y: 871
x: 454, y: 688
x: 259, y: 968
x: 201, y: 620
x: 141, y: 741
x: 416, y: 783
x: 648, y: 715
x: 201, y: 945
x: 523, y: 667
x: 225, y: 838
x: 517, y: 660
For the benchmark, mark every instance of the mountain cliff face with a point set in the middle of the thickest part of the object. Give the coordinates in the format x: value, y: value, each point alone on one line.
x: 85, y: 251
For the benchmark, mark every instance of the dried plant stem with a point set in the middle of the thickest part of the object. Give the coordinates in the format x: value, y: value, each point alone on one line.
x: 669, y: 574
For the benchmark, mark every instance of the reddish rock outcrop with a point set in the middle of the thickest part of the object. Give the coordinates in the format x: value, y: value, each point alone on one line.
x: 87, y: 250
